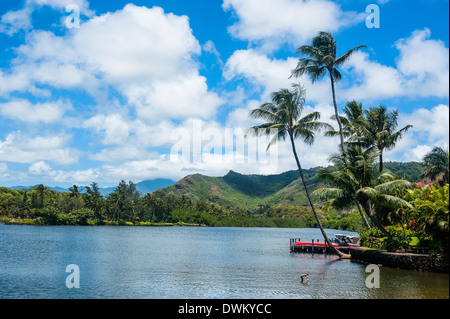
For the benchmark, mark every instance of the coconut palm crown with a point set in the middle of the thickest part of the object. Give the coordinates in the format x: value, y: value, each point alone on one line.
x: 321, y: 58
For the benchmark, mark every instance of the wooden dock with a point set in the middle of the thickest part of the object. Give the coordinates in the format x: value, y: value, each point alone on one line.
x: 314, y: 248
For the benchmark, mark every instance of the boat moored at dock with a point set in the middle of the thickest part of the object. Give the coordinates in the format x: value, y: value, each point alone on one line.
x: 341, y: 242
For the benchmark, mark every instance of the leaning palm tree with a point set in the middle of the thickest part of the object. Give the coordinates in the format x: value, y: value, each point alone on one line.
x: 283, y: 115
x: 436, y: 164
x: 381, y: 130
x: 321, y: 58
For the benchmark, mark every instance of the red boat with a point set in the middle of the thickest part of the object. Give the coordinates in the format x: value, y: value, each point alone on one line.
x: 316, y: 244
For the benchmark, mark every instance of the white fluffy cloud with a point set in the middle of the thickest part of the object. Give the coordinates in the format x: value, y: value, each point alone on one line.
x: 137, y: 44
x: 430, y: 128
x: 372, y: 79
x: 39, y: 168
x: 116, y: 130
x: 20, y: 148
x: 177, y: 98
x: 145, y: 54
x: 422, y: 70
x: 267, y: 75
x: 24, y: 110
x: 44, y: 172
x: 149, y: 56
x: 272, y: 23
x: 425, y: 64
x: 259, y: 69
x: 432, y: 124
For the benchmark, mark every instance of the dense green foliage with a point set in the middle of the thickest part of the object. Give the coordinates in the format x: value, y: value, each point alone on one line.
x: 125, y: 207
x: 423, y: 224
x: 271, y: 201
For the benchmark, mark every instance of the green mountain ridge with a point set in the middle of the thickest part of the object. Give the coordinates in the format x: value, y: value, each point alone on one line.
x: 252, y: 192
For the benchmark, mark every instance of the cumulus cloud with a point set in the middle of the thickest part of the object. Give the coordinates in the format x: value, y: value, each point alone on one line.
x: 146, y: 55
x: 425, y: 64
x: 422, y: 70
x: 116, y: 130
x: 176, y: 98
x: 430, y: 128
x: 259, y: 69
x: 138, y: 43
x: 39, y: 168
x: 266, y: 75
x: 432, y: 123
x: 24, y: 110
x: 272, y: 23
x: 20, y: 148
x: 44, y: 172
x: 372, y: 79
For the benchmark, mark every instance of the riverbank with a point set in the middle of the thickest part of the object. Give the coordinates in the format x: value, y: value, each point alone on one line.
x: 421, y: 262
x: 37, y: 222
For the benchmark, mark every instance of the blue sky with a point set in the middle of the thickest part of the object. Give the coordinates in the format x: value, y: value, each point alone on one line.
x: 141, y: 83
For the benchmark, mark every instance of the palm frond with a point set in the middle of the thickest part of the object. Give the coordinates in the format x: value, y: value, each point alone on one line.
x: 391, y: 186
x: 393, y: 201
x: 311, y: 51
x: 314, y: 71
x: 337, y: 76
x: 344, y: 58
x: 395, y: 137
x: 367, y: 191
x: 265, y: 112
x: 328, y: 192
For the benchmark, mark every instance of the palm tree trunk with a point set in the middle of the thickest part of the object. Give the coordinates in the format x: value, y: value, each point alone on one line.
x: 368, y: 209
x: 341, y: 134
x: 381, y: 161
x: 377, y: 208
x: 366, y: 222
x: 336, y: 251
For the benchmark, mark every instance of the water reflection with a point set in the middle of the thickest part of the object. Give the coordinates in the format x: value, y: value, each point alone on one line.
x: 189, y: 262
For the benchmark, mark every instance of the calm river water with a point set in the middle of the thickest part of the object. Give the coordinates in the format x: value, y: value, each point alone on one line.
x: 191, y: 263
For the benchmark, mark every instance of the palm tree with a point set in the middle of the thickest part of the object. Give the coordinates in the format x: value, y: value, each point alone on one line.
x: 381, y: 134
x: 353, y: 124
x: 283, y: 115
x: 75, y: 193
x: 436, y: 163
x: 321, y: 57
x: 345, y: 182
x: 358, y: 181
x: 94, y: 200
x: 42, y: 190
